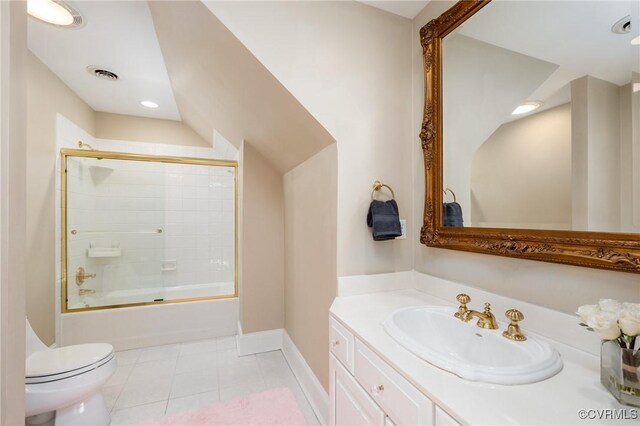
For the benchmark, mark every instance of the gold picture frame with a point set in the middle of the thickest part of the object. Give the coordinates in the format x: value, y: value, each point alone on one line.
x: 605, y: 250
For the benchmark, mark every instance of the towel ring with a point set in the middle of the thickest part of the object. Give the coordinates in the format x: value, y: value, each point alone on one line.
x: 377, y: 186
x: 452, y: 193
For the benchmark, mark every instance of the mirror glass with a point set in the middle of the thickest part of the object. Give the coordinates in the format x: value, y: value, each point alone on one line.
x: 541, y: 117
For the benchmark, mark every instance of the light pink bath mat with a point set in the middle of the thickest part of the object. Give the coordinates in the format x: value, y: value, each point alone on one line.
x: 273, y: 407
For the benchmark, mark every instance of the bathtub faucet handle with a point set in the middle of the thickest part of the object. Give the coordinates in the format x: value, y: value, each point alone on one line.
x: 81, y: 275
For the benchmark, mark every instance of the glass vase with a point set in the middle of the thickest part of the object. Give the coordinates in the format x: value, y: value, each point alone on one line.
x: 620, y: 372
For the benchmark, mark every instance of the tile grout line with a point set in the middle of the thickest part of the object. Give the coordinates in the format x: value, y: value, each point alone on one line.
x: 173, y: 378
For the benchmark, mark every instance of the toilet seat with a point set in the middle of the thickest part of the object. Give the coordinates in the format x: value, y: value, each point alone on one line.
x: 62, y: 363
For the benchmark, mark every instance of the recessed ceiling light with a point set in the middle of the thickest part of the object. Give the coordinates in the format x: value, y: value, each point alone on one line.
x: 149, y: 104
x: 636, y: 41
x: 54, y: 12
x: 527, y: 107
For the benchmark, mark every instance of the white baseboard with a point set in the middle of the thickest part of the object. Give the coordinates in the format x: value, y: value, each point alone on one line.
x: 278, y: 339
x: 258, y: 342
x: 313, y: 390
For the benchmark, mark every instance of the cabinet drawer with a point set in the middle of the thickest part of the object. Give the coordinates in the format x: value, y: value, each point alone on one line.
x: 404, y: 404
x: 350, y: 404
x: 444, y: 419
x: 341, y: 343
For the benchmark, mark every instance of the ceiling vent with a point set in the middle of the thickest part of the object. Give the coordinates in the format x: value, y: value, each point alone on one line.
x: 623, y: 26
x: 102, y: 73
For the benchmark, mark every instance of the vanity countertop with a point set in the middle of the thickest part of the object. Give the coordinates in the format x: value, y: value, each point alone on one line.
x: 555, y: 401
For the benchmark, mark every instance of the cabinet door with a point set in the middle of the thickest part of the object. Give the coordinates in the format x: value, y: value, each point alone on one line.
x: 350, y: 404
x: 402, y: 402
x: 341, y: 343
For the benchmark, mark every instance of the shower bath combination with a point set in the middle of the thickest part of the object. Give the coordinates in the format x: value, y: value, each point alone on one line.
x: 143, y: 229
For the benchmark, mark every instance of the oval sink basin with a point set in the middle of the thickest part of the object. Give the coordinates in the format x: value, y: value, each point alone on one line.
x: 435, y: 335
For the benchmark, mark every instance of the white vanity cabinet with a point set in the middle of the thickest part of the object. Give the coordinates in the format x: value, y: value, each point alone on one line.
x: 350, y: 404
x: 365, y: 390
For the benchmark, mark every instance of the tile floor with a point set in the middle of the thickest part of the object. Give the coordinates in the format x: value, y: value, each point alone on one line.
x: 151, y: 382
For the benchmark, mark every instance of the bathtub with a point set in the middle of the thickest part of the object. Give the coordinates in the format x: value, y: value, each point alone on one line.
x: 133, y: 327
x: 142, y: 295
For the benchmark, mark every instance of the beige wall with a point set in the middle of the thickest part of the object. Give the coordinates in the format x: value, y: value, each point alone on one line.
x: 521, y: 176
x: 262, y: 243
x: 349, y: 65
x: 629, y: 185
x: 47, y: 96
x: 595, y: 140
x: 142, y: 129
x: 558, y: 287
x: 217, y: 83
x: 310, y: 266
x: 13, y: 47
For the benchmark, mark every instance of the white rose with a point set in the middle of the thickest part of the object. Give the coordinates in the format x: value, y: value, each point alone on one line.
x: 585, y: 312
x: 629, y: 321
x: 605, y: 324
x: 631, y: 306
x: 610, y: 305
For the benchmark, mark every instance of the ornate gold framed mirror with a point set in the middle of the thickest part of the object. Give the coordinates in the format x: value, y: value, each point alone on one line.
x: 532, y: 119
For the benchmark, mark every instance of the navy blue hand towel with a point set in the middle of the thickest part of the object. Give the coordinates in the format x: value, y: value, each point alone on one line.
x: 452, y: 214
x: 384, y: 218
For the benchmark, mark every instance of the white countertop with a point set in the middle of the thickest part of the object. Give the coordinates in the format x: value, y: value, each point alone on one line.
x: 555, y: 401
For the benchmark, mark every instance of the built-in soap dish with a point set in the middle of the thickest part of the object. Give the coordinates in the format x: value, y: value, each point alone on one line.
x: 99, y: 248
x: 169, y: 265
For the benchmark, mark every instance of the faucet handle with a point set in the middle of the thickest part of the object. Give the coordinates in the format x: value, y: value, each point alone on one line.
x: 514, y: 315
x: 463, y: 299
x: 513, y: 331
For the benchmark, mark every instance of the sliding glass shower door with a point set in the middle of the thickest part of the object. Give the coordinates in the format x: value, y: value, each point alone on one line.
x: 146, y: 229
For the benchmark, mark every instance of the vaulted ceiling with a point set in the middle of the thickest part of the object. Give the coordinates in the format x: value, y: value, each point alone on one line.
x: 118, y: 36
x: 179, y: 55
x: 218, y: 83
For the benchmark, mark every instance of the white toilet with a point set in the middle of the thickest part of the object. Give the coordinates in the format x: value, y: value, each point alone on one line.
x: 62, y: 385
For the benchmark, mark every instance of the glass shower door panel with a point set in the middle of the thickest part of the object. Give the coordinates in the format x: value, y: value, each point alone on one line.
x: 115, y: 231
x: 199, y: 259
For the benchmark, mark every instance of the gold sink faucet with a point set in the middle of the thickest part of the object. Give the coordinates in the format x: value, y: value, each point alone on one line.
x: 485, y: 319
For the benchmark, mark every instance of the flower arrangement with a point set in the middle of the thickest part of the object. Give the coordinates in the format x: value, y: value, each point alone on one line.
x: 618, y: 325
x: 612, y: 320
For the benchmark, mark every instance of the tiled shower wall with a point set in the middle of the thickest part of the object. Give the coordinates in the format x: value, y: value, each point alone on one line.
x: 127, y: 201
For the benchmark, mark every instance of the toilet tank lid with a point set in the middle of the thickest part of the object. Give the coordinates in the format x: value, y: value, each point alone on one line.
x: 66, y: 359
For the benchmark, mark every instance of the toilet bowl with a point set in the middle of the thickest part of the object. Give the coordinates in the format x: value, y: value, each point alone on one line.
x: 62, y: 385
